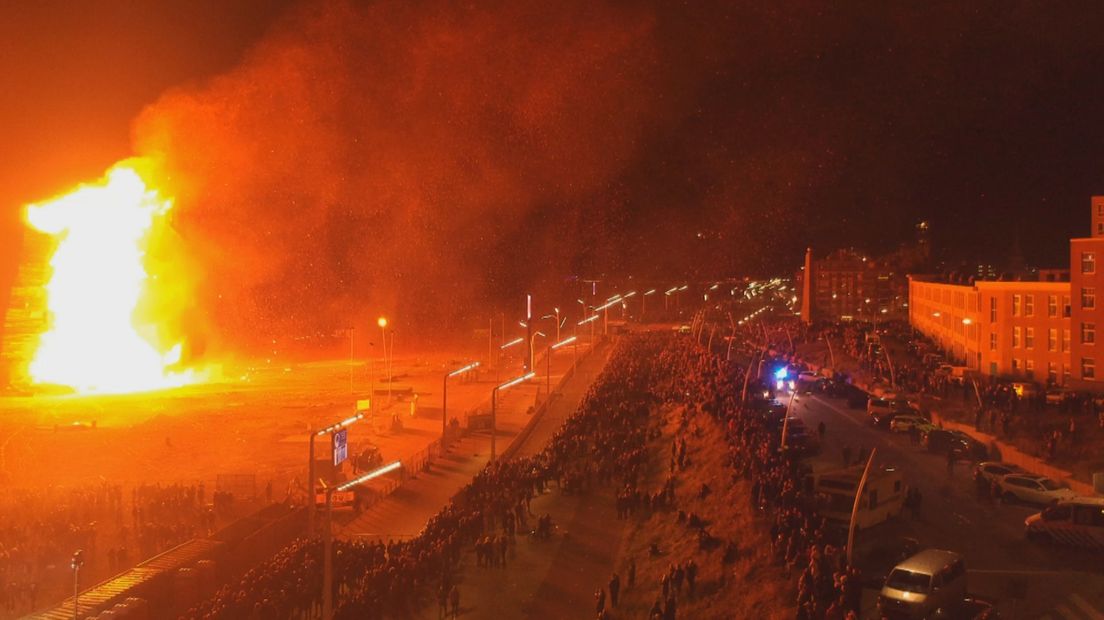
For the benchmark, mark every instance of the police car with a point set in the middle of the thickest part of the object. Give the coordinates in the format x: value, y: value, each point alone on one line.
x: 1077, y: 522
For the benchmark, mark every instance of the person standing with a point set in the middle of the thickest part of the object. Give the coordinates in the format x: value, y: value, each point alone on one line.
x: 614, y: 589
x: 454, y: 599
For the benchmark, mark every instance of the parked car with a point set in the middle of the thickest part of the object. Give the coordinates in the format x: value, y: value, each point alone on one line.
x: 856, y: 396
x: 904, y: 423
x: 922, y: 584
x: 995, y: 470
x: 969, y: 608
x: 1057, y: 397
x: 960, y: 444
x: 1033, y: 489
x: 878, y: 406
x: 1078, y: 522
x: 807, y: 381
x: 799, y: 439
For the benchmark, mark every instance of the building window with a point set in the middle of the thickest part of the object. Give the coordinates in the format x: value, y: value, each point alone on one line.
x: 1016, y: 334
x: 1052, y: 339
x: 1065, y: 306
x: 1088, y: 262
x: 992, y: 342
x: 1029, y: 368
x: 993, y: 369
x: 1065, y: 374
x: 992, y: 309
x: 1088, y: 333
x: 1029, y: 305
x: 1052, y: 306
x: 1015, y: 366
x: 1088, y: 368
x: 1029, y: 341
x: 1065, y: 340
x: 1088, y: 297
x: 1052, y: 372
x: 1016, y: 305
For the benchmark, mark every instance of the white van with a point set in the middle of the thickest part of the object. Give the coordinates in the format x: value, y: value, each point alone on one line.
x: 1078, y: 522
x: 883, y: 496
x: 929, y: 580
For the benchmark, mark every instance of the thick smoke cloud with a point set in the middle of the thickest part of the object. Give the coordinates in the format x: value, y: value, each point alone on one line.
x: 402, y: 157
x: 434, y: 159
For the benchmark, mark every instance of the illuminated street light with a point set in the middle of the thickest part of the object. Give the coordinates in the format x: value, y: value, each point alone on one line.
x: 494, y: 404
x: 444, y: 398
x: 382, y: 322
x: 532, y: 339
x: 966, y: 321
x: 327, y: 552
x: 564, y: 342
x: 310, y: 466
x: 548, y: 362
x: 643, y: 301
x: 517, y: 340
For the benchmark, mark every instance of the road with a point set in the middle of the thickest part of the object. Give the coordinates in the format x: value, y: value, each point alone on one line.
x: 1026, y: 579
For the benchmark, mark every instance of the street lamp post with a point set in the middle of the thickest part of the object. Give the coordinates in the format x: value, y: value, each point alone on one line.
x: 382, y: 322
x: 444, y: 398
x: 590, y: 319
x: 351, y: 329
x: 327, y: 546
x: 831, y: 353
x: 786, y: 420
x: 548, y: 361
x: 390, y: 363
x: 855, y: 505
x: 310, y: 467
x: 494, y: 405
x: 532, y: 354
x: 76, y: 563
x: 747, y: 376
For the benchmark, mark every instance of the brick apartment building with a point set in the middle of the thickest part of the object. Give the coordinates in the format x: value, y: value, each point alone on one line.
x: 1042, y: 330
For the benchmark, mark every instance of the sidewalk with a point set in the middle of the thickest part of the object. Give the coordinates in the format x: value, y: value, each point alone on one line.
x: 404, y: 512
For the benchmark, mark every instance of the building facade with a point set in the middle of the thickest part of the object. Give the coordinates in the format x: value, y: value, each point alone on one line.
x: 847, y: 285
x: 1042, y: 330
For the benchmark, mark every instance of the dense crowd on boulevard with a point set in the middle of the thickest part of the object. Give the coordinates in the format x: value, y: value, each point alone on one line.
x: 114, y: 529
x: 604, y: 442
x: 827, y: 588
x: 604, y: 439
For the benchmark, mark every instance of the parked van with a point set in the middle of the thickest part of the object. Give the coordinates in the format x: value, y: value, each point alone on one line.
x: 883, y: 496
x: 927, y: 581
x: 1078, y: 522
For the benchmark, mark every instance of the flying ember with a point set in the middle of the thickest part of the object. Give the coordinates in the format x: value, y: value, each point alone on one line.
x: 94, y: 341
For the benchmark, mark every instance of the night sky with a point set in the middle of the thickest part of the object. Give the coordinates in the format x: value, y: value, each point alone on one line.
x: 331, y: 152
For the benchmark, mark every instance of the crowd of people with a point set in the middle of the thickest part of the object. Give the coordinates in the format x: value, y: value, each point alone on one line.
x: 42, y: 528
x: 827, y: 587
x: 603, y: 441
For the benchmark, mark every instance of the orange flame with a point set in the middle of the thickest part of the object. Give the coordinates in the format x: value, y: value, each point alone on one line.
x: 94, y: 343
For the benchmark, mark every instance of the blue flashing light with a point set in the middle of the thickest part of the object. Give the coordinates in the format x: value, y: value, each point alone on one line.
x: 780, y: 373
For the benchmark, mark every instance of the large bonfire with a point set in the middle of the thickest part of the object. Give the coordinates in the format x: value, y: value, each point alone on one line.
x: 96, y: 341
